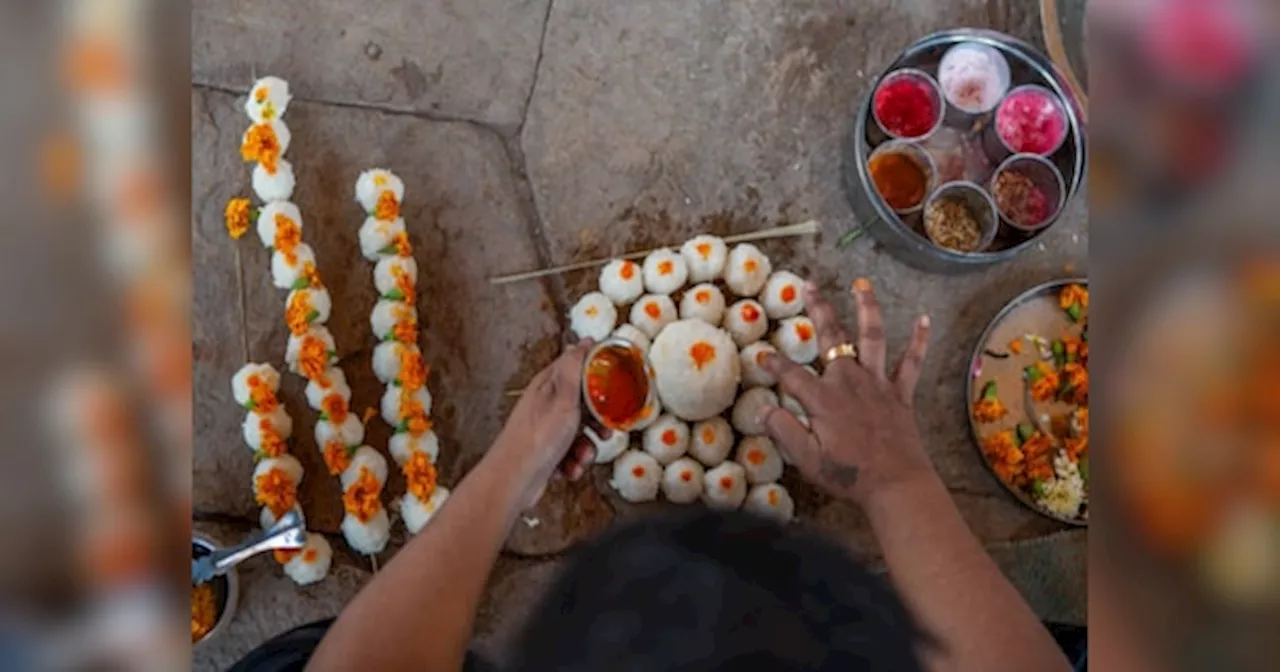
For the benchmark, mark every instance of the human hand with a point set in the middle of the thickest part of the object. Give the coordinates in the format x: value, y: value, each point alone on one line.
x: 862, y: 435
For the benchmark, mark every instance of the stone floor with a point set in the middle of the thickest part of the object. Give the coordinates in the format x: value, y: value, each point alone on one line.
x: 540, y: 132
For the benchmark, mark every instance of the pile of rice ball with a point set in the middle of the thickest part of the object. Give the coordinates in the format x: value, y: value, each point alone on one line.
x: 704, y: 442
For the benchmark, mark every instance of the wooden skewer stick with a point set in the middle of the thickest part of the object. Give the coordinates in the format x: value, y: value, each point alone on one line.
x: 808, y: 228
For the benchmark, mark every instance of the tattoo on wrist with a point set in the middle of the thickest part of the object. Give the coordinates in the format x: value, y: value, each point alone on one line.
x: 844, y: 475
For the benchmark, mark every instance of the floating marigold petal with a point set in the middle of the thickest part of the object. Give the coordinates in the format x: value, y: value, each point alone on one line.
x: 703, y: 353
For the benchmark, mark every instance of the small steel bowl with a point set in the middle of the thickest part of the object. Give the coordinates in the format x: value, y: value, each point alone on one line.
x: 650, y: 378
x: 226, y: 589
x: 1045, y: 175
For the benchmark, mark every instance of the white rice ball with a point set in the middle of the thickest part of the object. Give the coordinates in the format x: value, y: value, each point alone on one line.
x: 312, y: 563
x: 365, y: 458
x: 703, y: 302
x: 783, y: 295
x: 705, y: 256
x: 385, y: 273
x: 265, y: 374
x: 367, y: 538
x: 403, y: 445
x: 747, y: 270
x: 608, y: 450
x: 724, y: 487
x: 387, y: 314
x: 256, y: 423
x: 274, y: 187
x: 759, y: 459
x: 316, y: 297
x: 285, y: 275
x: 748, y: 406
x: 636, y: 476
x: 593, y: 317
x: 417, y: 513
x: 664, y: 272
x: 652, y: 313
x: 268, y: 99
x: 697, y: 369
x: 267, y: 518
x: 283, y: 137
x: 392, y: 406
x: 349, y: 433
x: 293, y: 349
x: 772, y: 501
x: 286, y: 464
x: 648, y: 415
x: 711, y: 440
x: 797, y: 339
x: 335, y: 382
x: 682, y: 481
x: 632, y: 334
x: 746, y: 322
x: 666, y: 440
x: 376, y: 235
x: 386, y: 359
x: 371, y: 184
x: 622, y: 281
x: 268, y: 222
x: 753, y: 371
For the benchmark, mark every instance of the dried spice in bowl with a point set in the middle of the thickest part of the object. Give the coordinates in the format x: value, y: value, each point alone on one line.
x: 1020, y: 200
x: 899, y: 178
x: 951, y: 223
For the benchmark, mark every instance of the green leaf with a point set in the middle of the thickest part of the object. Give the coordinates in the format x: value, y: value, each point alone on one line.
x: 333, y: 353
x: 1073, y: 312
x: 300, y: 283
x: 351, y: 451
x: 402, y: 427
x: 1032, y: 373
x: 394, y: 295
x: 989, y: 391
x: 1025, y: 431
x: 311, y: 316
x: 1037, y: 486
x: 397, y: 383
x: 258, y: 456
x: 324, y: 415
x: 1059, y: 353
x: 850, y: 236
x: 390, y: 249
x: 1084, y: 469
x: 250, y: 405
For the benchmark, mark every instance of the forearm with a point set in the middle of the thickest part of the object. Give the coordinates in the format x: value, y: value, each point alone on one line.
x: 418, y: 611
x: 953, y: 586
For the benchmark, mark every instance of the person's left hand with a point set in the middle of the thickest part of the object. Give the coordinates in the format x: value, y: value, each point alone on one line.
x: 545, y: 422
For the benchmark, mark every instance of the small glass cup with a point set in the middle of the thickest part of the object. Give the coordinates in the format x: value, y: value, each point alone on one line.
x: 980, y: 204
x: 935, y: 94
x: 917, y: 154
x: 967, y: 63
x: 1045, y: 176
x: 226, y: 589
x: 998, y: 148
x: 623, y: 348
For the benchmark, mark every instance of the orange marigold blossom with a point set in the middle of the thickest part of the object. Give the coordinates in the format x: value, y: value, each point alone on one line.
x: 284, y: 555
x: 287, y: 239
x: 276, y: 491
x: 988, y: 410
x: 313, y: 359
x: 387, y: 208
x: 413, y: 370
x: 261, y: 145
x: 260, y: 395
x: 420, y: 475
x: 335, y: 407
x: 1073, y: 294
x: 237, y: 215
x: 361, y: 499
x: 272, y: 444
x: 404, y: 283
x: 406, y: 330
x: 299, y: 313
x: 337, y: 457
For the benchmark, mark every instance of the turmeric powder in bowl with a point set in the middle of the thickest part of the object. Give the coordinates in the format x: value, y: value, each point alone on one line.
x: 902, y: 173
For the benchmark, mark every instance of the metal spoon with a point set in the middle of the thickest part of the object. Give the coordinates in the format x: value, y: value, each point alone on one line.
x: 288, y: 533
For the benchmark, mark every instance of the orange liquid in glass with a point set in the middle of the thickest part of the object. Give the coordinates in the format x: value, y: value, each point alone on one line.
x: 617, y: 387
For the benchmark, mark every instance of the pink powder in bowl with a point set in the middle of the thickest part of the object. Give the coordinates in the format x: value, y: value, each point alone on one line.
x: 1030, y: 120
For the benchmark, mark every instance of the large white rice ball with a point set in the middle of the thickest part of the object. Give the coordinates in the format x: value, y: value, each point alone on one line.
x: 664, y: 272
x: 666, y: 440
x: 747, y: 270
x: 276, y: 186
x: 632, y: 334
x: 711, y: 440
x: 262, y: 374
x: 393, y: 403
x: 782, y: 296
x: 317, y: 298
x: 594, y: 317
x: 312, y: 563
x: 759, y: 459
x: 652, y: 313
x: 608, y: 450
x: 367, y: 538
x: 350, y: 432
x: 753, y: 371
x: 622, y: 281
x: 363, y: 458
x: 746, y: 323
x: 285, y: 275
x: 403, y: 445
x: 335, y: 382
x: 268, y: 99
x: 797, y: 339
x: 772, y: 501
x: 387, y: 357
x: 386, y: 314
x: 417, y: 513
x: 286, y: 464
x: 387, y: 272
x: 371, y: 184
x: 705, y: 256
x: 697, y: 369
x: 269, y: 220
x: 636, y: 476
x: 377, y: 235
x: 725, y: 486
x: 267, y: 518
x: 703, y: 302
x: 682, y: 480
x: 293, y: 349
x: 748, y: 407
x: 256, y: 424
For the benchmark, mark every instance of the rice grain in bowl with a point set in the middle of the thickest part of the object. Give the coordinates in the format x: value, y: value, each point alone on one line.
x: 697, y: 369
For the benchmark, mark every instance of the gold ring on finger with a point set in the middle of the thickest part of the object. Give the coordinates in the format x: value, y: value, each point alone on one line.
x: 837, y: 351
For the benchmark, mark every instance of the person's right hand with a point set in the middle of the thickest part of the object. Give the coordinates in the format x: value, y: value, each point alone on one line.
x: 862, y: 435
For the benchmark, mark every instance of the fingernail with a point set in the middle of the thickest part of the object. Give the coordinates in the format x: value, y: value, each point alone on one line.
x: 925, y: 321
x: 862, y: 285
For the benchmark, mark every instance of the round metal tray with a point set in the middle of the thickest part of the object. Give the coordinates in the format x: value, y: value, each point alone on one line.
x: 1027, y: 66
x: 1048, y: 289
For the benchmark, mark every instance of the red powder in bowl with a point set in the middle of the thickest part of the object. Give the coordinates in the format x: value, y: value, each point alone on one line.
x: 1031, y: 121
x: 906, y: 107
